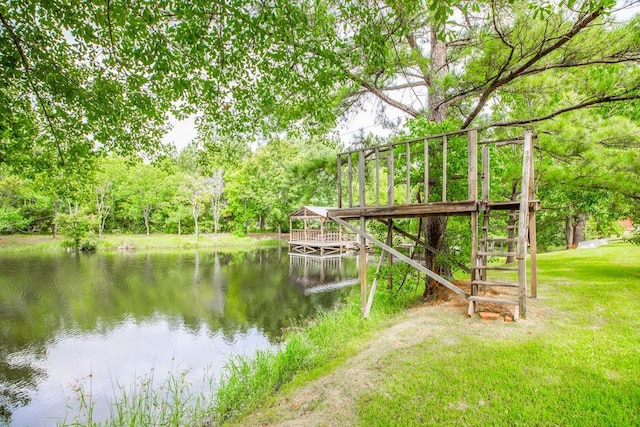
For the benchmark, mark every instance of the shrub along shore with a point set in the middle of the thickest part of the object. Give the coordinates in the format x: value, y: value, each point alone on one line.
x: 573, y: 361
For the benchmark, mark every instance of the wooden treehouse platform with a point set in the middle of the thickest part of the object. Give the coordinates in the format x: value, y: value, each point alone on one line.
x: 426, y: 177
x: 316, y: 238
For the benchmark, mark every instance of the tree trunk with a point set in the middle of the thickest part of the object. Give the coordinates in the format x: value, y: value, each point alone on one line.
x: 568, y: 231
x: 434, y: 232
x: 55, y: 216
x: 435, y: 227
x: 179, y: 228
x: 578, y: 228
x: 145, y: 214
x: 437, y: 106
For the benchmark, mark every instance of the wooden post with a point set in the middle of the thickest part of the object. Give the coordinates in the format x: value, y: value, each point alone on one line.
x: 350, y: 175
x: 363, y: 267
x: 408, y: 162
x: 426, y: 171
x: 374, y: 285
x: 486, y: 181
x: 523, y: 223
x: 444, y: 168
x: 474, y: 252
x: 361, y: 196
x: 390, y: 159
x: 472, y: 168
x: 533, y: 245
x: 306, y: 239
x: 485, y: 174
x: 339, y: 181
x: 389, y: 255
x: 377, y: 151
x: 533, y: 255
x: 472, y: 145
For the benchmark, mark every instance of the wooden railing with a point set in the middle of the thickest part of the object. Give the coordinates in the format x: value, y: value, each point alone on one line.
x: 325, y: 236
x: 408, y: 167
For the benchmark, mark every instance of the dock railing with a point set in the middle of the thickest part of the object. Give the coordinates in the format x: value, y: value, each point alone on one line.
x: 321, y: 236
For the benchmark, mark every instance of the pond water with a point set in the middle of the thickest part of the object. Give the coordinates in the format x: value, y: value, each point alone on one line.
x: 100, y: 321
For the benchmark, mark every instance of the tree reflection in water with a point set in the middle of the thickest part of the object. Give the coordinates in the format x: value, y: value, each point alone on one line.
x: 65, y: 316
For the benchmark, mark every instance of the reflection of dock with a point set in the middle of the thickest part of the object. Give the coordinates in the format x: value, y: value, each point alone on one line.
x: 318, y: 236
x: 314, y: 274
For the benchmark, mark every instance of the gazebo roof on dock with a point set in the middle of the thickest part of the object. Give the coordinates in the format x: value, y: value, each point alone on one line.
x: 307, y: 212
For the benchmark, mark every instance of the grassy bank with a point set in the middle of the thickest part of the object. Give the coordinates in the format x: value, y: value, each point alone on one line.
x: 573, y: 361
x: 580, y: 366
x: 29, y: 243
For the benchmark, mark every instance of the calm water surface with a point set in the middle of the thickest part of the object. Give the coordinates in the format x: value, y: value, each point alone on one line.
x: 101, y: 321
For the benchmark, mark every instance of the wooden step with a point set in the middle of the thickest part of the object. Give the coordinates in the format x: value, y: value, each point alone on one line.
x: 501, y: 227
x: 476, y: 298
x: 496, y: 267
x: 494, y: 283
x: 498, y: 240
x: 503, y: 254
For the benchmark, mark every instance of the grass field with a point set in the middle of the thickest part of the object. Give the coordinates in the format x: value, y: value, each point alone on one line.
x: 580, y: 365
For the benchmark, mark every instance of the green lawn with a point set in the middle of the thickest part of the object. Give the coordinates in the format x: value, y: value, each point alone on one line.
x: 579, y: 364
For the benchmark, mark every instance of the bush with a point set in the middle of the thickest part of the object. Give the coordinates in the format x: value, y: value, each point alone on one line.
x: 78, y: 230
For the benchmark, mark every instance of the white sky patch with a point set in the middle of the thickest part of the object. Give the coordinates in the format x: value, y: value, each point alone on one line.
x: 182, y: 132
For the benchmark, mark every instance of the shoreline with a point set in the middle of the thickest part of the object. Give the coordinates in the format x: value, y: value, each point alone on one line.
x: 134, y: 242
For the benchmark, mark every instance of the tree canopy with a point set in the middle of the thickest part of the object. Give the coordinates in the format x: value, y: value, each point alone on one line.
x: 82, y: 79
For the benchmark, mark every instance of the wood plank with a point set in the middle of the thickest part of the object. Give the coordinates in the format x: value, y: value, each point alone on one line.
x: 523, y: 223
x: 486, y: 178
x: 499, y: 239
x: 339, y: 179
x: 494, y: 283
x: 363, y: 266
x: 377, y: 177
x: 350, y: 179
x: 421, y: 243
x: 533, y: 255
x: 374, y: 286
x: 493, y: 300
x: 407, y: 211
x: 408, y: 163
x: 433, y: 137
x: 444, y: 168
x: 533, y: 240
x: 497, y: 268
x: 472, y: 173
x: 389, y: 242
x: 361, y: 184
x: 390, y: 178
x: 426, y: 171
x: 503, y: 254
x: 403, y: 257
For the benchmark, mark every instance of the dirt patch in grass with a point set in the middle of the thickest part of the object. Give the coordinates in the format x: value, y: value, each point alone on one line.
x: 332, y: 399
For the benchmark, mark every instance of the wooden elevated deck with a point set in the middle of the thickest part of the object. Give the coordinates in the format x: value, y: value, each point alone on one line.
x: 464, y: 207
x: 428, y: 176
